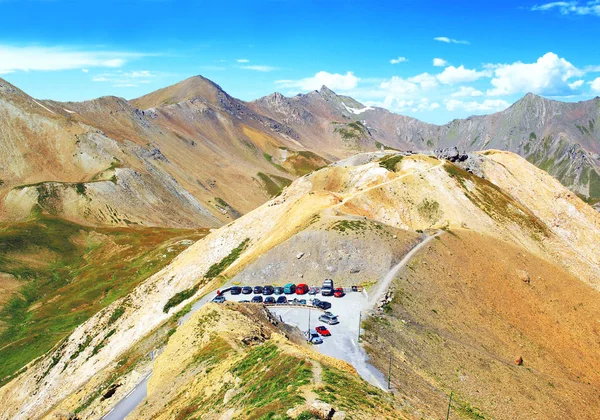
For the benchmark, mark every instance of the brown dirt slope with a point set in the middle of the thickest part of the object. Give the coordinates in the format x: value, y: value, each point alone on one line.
x: 466, y: 308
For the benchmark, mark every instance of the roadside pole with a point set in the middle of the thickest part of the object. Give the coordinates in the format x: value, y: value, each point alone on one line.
x: 449, y: 404
x: 390, y: 372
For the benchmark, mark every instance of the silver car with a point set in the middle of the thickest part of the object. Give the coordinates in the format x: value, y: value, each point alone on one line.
x: 329, y: 318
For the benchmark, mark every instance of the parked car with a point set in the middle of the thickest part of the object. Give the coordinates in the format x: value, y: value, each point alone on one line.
x: 302, y: 301
x: 289, y: 289
x: 313, y: 290
x: 246, y: 290
x: 338, y: 293
x: 258, y: 290
x: 323, y: 331
x: 326, y: 290
x: 313, y: 337
x: 257, y: 299
x: 267, y: 290
x: 324, y: 305
x: 270, y: 300
x: 278, y: 290
x: 329, y: 318
x: 219, y: 299
x: 236, y: 290
x: 281, y: 299
x: 328, y: 283
x: 301, y: 289
x: 315, y: 302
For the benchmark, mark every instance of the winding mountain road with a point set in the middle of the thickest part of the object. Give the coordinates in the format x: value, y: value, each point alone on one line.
x: 384, y: 284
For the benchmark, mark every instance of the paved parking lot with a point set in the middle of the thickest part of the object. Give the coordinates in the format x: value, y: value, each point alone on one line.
x: 343, y: 343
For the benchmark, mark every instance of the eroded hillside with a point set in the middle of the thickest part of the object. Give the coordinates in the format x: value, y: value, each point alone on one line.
x: 194, y: 163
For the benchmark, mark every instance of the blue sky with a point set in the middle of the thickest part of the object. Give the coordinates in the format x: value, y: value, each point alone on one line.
x: 434, y: 60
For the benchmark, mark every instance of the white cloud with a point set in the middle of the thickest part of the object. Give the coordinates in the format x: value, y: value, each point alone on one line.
x: 595, y: 85
x: 242, y: 60
x: 591, y: 69
x: 439, y: 62
x: 425, y: 105
x: 549, y: 75
x: 121, y: 78
x: 485, y: 106
x: 398, y: 60
x: 450, y: 40
x: 399, y: 87
x: 85, y: 70
x: 571, y: 7
x: 424, y: 80
x: 454, y: 75
x: 467, y: 91
x: 264, y: 69
x: 576, y: 84
x: 58, y: 58
x: 333, y: 81
x: 138, y: 74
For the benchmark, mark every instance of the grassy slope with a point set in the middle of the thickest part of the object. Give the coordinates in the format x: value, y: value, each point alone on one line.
x: 226, y: 359
x: 68, y: 273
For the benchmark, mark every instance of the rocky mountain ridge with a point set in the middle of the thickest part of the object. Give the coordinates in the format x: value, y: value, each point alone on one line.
x: 168, y: 158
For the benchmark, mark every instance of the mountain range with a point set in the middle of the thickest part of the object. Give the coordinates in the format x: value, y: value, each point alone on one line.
x: 120, y: 219
x: 168, y: 158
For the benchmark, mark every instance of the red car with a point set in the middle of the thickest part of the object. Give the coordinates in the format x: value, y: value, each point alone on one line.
x: 323, y: 331
x: 301, y: 289
x: 339, y: 292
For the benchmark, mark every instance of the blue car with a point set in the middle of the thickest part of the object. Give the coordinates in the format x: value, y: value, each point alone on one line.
x: 313, y: 337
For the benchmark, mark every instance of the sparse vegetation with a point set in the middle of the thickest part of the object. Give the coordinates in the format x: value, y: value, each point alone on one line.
x: 80, y: 188
x: 269, y: 159
x: 273, y: 184
x: 219, y: 267
x: 384, y: 147
x: 350, y: 132
x: 273, y: 390
x: 180, y: 297
x: 116, y: 315
x: 496, y: 203
x: 430, y: 210
x: 81, y: 347
x: 390, y: 162
x: 343, y: 225
x: 349, y: 392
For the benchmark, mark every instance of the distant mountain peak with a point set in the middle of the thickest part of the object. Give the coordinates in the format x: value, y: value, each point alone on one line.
x: 188, y: 89
x: 7, y: 88
x: 326, y: 91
